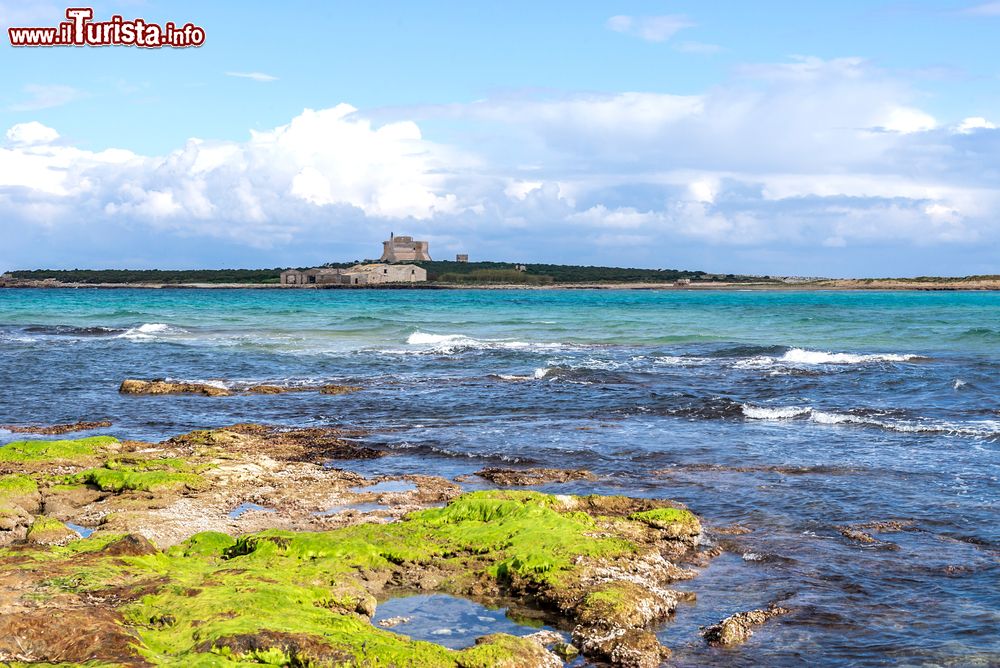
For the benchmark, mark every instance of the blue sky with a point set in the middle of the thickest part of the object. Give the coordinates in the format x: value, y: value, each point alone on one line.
x: 847, y: 138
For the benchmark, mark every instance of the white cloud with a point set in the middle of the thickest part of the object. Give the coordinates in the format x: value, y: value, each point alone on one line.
x: 45, y: 97
x: 907, y: 120
x: 649, y: 28
x: 782, y: 158
x: 255, y: 76
x: 973, y: 123
x: 325, y: 158
x: 32, y: 132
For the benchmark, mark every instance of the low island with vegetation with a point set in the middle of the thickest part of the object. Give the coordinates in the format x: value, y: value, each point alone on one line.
x: 451, y: 274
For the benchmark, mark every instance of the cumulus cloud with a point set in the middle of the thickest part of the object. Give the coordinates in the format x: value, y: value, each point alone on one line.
x: 32, y: 132
x: 973, y: 123
x: 791, y: 159
x: 649, y: 28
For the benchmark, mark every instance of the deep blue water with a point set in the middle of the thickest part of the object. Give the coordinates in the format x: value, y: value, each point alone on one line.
x: 791, y: 413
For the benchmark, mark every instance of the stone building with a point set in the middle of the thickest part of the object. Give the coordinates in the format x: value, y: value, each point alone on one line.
x: 359, y: 274
x: 404, y: 249
x: 462, y: 257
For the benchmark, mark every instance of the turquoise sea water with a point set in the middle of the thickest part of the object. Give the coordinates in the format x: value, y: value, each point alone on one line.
x: 790, y: 413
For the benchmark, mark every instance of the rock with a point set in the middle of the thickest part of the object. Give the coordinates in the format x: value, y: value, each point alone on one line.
x: 628, y: 648
x: 129, y: 546
x: 49, y: 531
x: 156, y: 387
x: 736, y: 629
x: 561, y: 557
x: 339, y: 389
x: 68, y: 635
x: 51, y: 430
x: 301, y: 649
x: 533, y: 476
x: 555, y: 643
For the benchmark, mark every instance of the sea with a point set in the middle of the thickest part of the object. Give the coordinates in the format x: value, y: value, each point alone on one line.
x: 779, y: 417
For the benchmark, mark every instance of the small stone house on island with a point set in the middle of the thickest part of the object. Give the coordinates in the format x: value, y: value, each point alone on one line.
x: 360, y: 274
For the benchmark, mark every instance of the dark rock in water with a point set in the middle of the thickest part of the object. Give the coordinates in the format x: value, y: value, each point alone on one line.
x: 857, y: 533
x: 274, y: 389
x: 159, y: 386
x: 51, y: 430
x: 156, y: 387
x: 533, y: 476
x: 736, y: 629
x: 339, y: 389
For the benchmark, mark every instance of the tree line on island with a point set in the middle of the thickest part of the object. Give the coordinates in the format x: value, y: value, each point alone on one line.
x: 438, y: 271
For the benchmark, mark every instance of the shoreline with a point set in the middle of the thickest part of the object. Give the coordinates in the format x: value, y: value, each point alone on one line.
x: 830, y: 285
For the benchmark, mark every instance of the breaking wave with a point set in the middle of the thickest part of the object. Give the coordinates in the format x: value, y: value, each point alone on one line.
x: 983, y: 429
x: 800, y: 356
x: 149, y: 331
x: 448, y: 344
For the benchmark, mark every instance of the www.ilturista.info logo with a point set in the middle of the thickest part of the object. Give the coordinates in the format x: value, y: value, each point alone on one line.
x: 82, y: 30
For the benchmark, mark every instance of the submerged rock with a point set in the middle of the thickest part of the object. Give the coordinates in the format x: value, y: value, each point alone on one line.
x: 532, y: 476
x: 737, y: 629
x: 339, y: 389
x: 160, y: 386
x: 133, y: 386
x: 55, y: 429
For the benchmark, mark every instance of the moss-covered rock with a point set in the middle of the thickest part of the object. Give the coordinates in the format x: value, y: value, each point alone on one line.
x: 49, y: 531
x: 306, y: 598
x: 68, y: 450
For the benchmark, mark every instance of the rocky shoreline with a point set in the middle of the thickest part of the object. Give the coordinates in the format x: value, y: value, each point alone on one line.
x: 247, y: 544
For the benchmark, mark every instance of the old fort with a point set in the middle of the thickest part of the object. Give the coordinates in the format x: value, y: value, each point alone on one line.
x: 388, y: 269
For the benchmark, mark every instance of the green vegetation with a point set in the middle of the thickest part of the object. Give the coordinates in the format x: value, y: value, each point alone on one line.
x: 169, y: 276
x: 565, y: 273
x: 119, y: 480
x: 304, y: 598
x: 143, y: 475
x: 15, y: 486
x: 444, y: 271
x: 41, y: 451
x: 49, y: 530
x: 495, y: 276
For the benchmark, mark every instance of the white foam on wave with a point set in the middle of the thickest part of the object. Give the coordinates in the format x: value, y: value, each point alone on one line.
x: 774, y: 413
x: 148, y: 331
x: 447, y: 344
x: 988, y: 429
x: 213, y: 382
x: 803, y: 357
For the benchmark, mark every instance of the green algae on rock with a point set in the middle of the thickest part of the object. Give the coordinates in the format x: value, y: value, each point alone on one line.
x: 49, y: 531
x: 49, y: 451
x: 306, y: 598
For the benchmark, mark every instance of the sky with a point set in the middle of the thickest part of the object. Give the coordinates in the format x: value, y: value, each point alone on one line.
x: 848, y: 138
